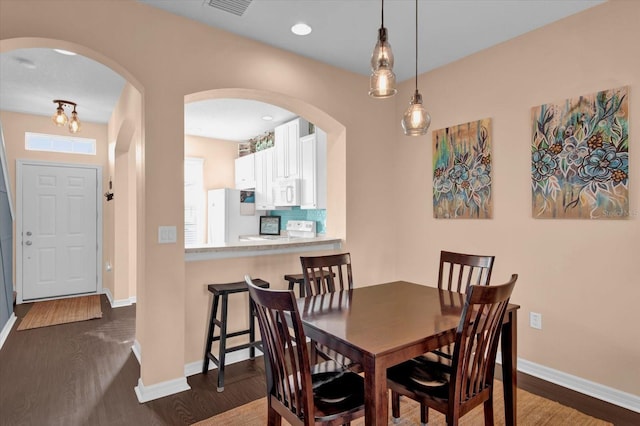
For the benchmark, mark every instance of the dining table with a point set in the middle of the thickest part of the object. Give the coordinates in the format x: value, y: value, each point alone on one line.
x: 379, y: 326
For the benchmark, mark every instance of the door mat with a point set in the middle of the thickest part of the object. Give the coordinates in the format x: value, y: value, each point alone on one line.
x: 61, y: 311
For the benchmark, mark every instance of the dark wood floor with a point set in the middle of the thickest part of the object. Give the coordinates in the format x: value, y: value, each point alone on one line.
x: 84, y: 374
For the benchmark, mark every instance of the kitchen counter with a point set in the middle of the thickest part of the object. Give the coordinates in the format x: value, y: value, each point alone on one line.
x: 255, y: 246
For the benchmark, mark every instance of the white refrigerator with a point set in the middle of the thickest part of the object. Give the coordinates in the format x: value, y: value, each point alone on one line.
x: 225, y: 221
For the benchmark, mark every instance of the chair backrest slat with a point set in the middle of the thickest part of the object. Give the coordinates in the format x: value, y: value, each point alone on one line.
x: 458, y: 270
x: 324, y: 274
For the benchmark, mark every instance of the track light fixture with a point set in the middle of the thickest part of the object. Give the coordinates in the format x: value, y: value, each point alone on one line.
x: 60, y: 118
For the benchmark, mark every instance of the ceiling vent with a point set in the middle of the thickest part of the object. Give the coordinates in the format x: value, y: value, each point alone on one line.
x: 237, y: 7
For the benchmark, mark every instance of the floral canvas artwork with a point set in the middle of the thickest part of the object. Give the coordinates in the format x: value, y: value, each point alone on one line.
x: 462, y: 171
x: 580, y: 157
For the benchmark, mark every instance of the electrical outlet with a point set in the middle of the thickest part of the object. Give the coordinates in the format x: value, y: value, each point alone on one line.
x: 535, y: 320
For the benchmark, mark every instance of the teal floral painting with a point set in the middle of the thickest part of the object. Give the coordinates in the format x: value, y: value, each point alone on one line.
x: 580, y: 157
x: 462, y: 171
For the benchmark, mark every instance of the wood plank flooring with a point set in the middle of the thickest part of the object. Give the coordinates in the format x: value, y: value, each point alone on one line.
x: 84, y: 373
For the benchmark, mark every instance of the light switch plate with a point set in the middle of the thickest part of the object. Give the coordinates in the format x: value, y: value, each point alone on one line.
x: 167, y: 235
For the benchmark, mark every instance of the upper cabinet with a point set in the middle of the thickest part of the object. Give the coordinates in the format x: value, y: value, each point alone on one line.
x: 287, y: 145
x: 264, y: 161
x: 313, y: 154
x: 245, y: 172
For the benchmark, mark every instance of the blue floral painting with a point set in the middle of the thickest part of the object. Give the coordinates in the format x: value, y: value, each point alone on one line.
x: 580, y: 157
x: 462, y: 171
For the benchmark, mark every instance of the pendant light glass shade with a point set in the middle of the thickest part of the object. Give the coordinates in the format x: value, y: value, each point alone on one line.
x: 74, y: 123
x: 416, y: 119
x: 382, y: 54
x: 382, y: 83
x: 59, y: 118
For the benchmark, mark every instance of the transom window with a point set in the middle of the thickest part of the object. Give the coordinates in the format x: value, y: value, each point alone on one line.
x: 62, y: 144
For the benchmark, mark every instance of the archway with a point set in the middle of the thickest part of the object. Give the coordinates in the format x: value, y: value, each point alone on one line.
x: 124, y: 138
x: 336, y: 143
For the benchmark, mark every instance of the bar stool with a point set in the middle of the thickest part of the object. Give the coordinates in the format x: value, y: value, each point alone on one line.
x: 294, y: 279
x: 223, y: 291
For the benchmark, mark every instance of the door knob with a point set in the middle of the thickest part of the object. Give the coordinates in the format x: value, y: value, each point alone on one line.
x: 28, y: 243
x: 28, y: 233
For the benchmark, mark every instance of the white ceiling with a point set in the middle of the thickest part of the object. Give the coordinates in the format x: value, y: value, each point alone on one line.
x: 344, y: 33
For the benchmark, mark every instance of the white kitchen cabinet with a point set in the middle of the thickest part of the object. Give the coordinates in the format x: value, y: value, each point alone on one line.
x: 245, y: 172
x: 313, y: 154
x: 264, y: 174
x: 287, y: 145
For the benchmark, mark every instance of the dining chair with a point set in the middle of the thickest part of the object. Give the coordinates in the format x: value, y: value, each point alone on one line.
x: 323, y: 274
x: 327, y: 274
x: 296, y: 391
x: 467, y: 382
x: 459, y: 270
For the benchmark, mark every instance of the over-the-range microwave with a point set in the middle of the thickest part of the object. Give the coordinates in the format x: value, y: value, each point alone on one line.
x: 286, y: 192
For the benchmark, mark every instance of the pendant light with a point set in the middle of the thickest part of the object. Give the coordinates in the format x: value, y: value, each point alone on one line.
x: 383, y: 81
x: 416, y: 120
x: 60, y: 118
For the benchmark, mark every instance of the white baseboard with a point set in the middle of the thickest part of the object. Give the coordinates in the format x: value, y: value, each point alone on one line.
x: 160, y: 390
x: 118, y: 303
x: 7, y: 328
x: 231, y: 358
x: 137, y: 350
x: 578, y: 384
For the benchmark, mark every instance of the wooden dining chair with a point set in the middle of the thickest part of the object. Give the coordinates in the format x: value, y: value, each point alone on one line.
x: 468, y: 382
x: 458, y: 270
x: 323, y: 274
x: 296, y: 391
x: 327, y: 274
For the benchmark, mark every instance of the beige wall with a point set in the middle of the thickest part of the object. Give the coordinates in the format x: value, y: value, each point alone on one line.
x: 219, y: 159
x: 380, y: 180
x: 579, y: 274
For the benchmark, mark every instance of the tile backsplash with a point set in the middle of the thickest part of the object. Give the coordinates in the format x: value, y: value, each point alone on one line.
x: 296, y: 213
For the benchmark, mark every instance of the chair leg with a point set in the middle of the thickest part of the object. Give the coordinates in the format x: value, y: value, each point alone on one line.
x: 488, y: 412
x: 223, y: 344
x: 210, y: 333
x: 424, y: 414
x: 395, y: 406
x: 274, y: 419
x: 252, y: 332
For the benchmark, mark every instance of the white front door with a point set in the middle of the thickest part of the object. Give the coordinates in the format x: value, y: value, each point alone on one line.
x: 58, y: 231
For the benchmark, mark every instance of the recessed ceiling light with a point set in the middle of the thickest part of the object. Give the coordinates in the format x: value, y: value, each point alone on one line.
x: 65, y: 52
x: 267, y: 117
x: 301, y: 29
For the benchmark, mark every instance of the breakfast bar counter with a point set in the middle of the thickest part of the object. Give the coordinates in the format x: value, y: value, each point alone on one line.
x: 260, y: 246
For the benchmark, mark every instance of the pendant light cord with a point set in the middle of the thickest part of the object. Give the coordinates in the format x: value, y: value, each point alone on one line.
x: 382, y: 14
x: 416, y: 45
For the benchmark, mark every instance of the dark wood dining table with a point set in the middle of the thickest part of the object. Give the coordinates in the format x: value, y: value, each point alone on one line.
x: 383, y: 325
